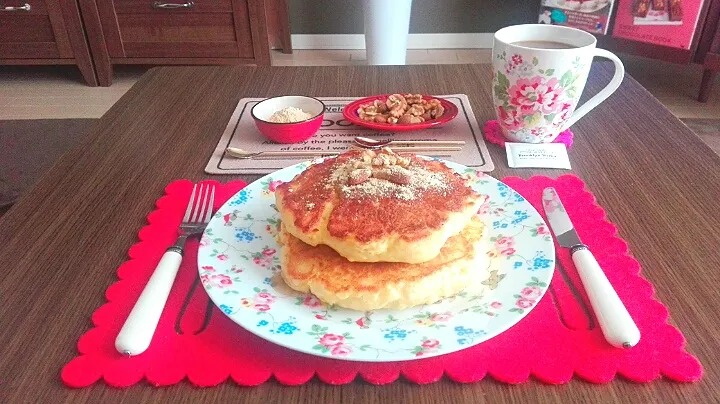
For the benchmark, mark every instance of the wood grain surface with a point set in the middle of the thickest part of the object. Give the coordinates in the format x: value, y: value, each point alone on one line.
x: 61, y: 244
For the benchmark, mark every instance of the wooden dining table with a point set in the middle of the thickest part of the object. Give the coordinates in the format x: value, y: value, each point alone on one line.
x: 61, y: 244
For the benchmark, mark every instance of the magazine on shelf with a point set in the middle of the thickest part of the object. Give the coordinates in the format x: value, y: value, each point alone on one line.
x: 669, y: 23
x: 587, y: 15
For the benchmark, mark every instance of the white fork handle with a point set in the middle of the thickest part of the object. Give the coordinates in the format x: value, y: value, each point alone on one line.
x: 615, y: 322
x: 137, y: 332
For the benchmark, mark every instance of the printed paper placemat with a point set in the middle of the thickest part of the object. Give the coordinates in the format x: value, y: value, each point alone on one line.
x: 336, y: 134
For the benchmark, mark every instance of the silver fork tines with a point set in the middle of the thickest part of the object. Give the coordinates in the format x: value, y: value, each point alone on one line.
x: 199, y: 209
x: 203, y: 202
x: 190, y: 205
x: 209, y: 211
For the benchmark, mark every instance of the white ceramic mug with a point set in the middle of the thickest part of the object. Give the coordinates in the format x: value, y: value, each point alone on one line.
x: 536, y: 87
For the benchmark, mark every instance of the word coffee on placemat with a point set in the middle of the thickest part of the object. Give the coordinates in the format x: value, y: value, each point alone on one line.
x: 336, y: 135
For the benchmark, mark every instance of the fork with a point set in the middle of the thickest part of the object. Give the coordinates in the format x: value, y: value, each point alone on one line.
x: 137, y: 332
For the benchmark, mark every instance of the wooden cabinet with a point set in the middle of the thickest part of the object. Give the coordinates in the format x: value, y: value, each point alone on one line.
x: 149, y: 32
x: 175, y: 32
x: 194, y: 28
x: 34, y: 32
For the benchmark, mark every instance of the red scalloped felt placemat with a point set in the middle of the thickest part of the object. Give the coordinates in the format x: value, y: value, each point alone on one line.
x: 556, y: 341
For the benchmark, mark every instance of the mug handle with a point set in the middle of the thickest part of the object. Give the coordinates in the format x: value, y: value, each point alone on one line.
x: 604, y: 93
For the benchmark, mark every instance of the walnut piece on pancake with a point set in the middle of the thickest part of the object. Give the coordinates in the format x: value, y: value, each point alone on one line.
x: 394, y: 174
x: 384, y: 173
x: 384, y: 159
x: 359, y: 175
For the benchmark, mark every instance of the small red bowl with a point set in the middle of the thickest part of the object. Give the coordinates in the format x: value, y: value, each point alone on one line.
x: 350, y: 113
x: 293, y: 132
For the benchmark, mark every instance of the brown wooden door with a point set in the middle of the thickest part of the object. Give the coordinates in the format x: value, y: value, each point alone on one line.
x: 33, y: 29
x: 176, y: 28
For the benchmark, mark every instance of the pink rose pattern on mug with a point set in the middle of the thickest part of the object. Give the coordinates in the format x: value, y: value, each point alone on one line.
x: 539, y: 102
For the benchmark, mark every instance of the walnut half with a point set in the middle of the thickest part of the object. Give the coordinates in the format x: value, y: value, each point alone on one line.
x: 394, y: 174
x: 359, y: 175
x: 410, y: 119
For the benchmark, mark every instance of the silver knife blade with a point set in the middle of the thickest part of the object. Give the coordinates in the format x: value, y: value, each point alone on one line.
x: 615, y: 321
x: 559, y: 220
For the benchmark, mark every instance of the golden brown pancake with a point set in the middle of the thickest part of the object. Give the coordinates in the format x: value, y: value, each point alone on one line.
x: 377, y: 206
x: 391, y: 285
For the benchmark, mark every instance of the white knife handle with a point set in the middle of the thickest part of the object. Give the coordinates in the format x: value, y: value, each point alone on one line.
x: 615, y: 321
x: 137, y: 332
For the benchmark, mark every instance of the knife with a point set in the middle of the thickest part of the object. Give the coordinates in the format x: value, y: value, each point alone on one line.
x: 615, y: 322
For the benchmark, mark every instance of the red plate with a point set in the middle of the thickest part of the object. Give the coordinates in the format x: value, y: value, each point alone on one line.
x: 350, y: 113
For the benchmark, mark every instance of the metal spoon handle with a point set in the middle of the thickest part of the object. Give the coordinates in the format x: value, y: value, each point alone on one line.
x: 244, y: 155
x: 238, y: 153
x: 429, y: 142
x: 421, y: 149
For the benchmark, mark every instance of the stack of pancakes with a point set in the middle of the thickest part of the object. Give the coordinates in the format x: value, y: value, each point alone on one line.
x: 371, y: 230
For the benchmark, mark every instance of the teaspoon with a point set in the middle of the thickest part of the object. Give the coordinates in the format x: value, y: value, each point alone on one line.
x: 378, y: 144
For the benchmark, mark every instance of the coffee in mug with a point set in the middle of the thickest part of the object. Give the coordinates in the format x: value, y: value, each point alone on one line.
x: 543, y: 45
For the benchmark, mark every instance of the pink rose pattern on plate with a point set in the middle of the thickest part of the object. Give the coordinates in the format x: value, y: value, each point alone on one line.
x: 239, y: 267
x: 216, y: 280
x: 309, y: 301
x: 539, y: 102
x: 335, y: 344
x: 426, y: 346
x: 269, y: 185
x: 529, y: 295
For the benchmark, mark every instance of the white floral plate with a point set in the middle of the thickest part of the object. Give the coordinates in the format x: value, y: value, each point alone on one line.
x: 239, y: 268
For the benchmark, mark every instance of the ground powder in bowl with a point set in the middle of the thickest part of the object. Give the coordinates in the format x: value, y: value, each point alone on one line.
x: 289, y: 115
